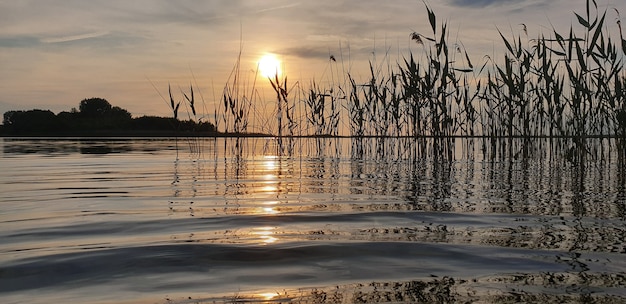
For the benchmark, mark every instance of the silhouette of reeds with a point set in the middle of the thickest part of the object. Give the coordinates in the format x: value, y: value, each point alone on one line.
x: 283, y: 107
x: 560, y: 86
x: 322, y: 110
x: 237, y: 103
x: 554, y: 85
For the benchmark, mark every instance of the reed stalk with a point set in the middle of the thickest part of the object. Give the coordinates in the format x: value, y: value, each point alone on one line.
x: 554, y: 85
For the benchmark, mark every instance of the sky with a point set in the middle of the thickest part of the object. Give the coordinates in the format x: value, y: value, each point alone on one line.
x: 55, y: 53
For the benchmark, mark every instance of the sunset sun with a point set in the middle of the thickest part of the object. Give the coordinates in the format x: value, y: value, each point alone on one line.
x: 269, y: 66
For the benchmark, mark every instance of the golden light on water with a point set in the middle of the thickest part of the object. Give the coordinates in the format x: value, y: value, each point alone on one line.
x: 265, y: 234
x: 272, y: 188
x: 270, y: 163
x: 269, y: 295
x: 269, y: 210
x: 271, y: 176
x: 267, y: 192
x: 269, y: 66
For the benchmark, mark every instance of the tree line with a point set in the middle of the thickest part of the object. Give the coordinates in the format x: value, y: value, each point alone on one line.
x: 96, y: 116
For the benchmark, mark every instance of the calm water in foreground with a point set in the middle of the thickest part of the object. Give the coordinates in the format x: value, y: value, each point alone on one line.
x: 326, y: 221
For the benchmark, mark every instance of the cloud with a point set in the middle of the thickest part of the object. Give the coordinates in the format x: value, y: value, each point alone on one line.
x: 193, y: 13
x: 308, y: 52
x: 92, y: 40
x: 19, y: 41
x: 263, y: 10
x: 480, y: 3
x: 77, y: 37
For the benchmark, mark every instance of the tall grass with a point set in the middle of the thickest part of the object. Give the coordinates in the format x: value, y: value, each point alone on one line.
x: 322, y: 110
x: 559, y: 86
x: 283, y: 108
x: 553, y: 85
x: 237, y: 101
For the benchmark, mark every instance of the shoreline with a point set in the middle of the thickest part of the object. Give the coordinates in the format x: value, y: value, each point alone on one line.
x: 174, y: 134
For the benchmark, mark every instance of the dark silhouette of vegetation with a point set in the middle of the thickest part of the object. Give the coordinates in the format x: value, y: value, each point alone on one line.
x: 97, y: 117
x: 95, y: 107
x: 30, y: 121
x: 568, y: 84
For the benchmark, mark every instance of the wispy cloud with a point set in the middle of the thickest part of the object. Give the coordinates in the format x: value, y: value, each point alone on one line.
x: 308, y: 52
x: 480, y: 3
x: 291, y: 5
x: 102, y: 40
x: 76, y: 37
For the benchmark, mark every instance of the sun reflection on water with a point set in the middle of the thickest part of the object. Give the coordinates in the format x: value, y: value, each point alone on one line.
x: 269, y: 188
x: 270, y: 162
x: 266, y: 234
x: 269, y: 295
x: 266, y: 198
x: 270, y: 211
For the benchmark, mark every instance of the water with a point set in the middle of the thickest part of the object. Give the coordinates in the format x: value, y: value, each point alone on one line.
x: 325, y: 221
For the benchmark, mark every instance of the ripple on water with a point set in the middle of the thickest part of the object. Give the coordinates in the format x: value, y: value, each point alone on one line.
x: 153, y: 225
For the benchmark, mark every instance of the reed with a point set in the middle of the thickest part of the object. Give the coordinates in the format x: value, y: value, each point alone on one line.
x: 322, y: 102
x: 237, y: 101
x: 283, y: 108
x: 194, y: 143
x: 562, y: 85
x: 553, y: 85
x: 315, y: 106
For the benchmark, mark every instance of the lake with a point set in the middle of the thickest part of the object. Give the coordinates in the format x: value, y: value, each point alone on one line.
x: 396, y: 220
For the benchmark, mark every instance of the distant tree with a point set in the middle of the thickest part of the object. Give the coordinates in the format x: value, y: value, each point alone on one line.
x: 120, y: 114
x: 67, y: 115
x: 69, y: 120
x: 94, y: 107
x: 154, y: 123
x: 98, y: 114
x: 192, y: 126
x: 118, y: 118
x: 30, y: 121
x: 9, y: 117
x: 94, y: 116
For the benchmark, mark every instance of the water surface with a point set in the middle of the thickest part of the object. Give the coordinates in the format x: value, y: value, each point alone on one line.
x: 319, y: 221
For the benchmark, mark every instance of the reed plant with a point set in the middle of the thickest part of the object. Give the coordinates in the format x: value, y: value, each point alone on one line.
x: 192, y: 114
x: 315, y: 106
x: 286, y: 109
x: 322, y: 110
x: 554, y: 85
x: 237, y: 101
x: 561, y: 85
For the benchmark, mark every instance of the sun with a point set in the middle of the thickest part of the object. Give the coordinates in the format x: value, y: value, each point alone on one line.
x: 269, y: 66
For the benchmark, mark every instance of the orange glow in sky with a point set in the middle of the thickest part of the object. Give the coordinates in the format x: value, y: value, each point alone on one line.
x: 56, y: 53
